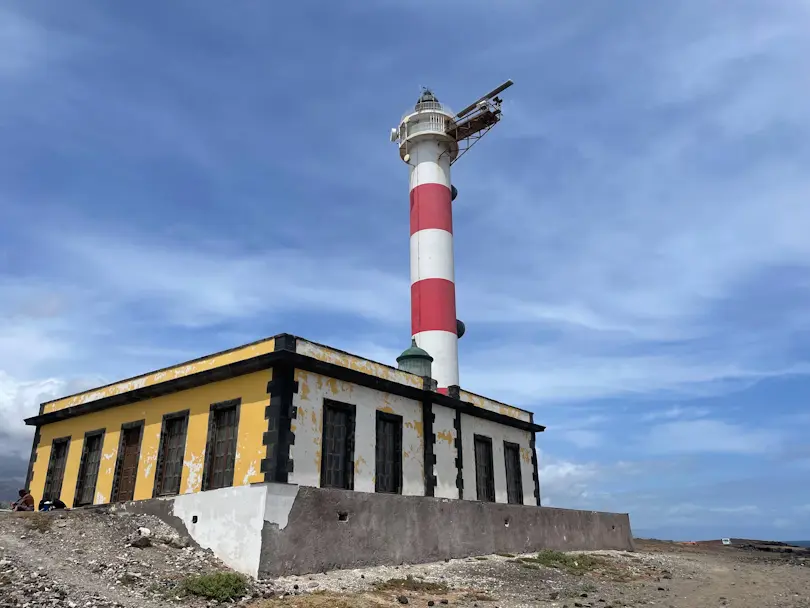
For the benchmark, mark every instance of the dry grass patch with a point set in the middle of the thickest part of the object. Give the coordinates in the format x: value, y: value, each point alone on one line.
x: 410, y: 583
x: 577, y: 564
x: 324, y: 599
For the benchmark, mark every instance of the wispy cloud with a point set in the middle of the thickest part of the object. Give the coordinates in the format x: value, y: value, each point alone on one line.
x: 626, y: 234
x: 697, y: 436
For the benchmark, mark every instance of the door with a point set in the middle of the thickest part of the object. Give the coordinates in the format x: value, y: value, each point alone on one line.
x: 128, y: 464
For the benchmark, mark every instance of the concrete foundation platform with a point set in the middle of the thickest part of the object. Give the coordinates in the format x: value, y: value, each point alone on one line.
x: 268, y: 530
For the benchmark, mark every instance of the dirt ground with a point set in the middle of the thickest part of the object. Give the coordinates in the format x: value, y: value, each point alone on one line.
x: 86, y: 559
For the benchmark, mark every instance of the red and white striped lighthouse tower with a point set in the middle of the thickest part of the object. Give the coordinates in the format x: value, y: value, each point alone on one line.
x: 431, y: 138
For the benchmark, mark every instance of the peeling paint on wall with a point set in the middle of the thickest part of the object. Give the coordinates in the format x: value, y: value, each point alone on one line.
x: 499, y: 433
x: 178, y: 371
x: 193, y: 465
x: 494, y: 406
x: 306, y: 451
x: 323, y: 353
x: 445, y: 451
x: 251, y: 388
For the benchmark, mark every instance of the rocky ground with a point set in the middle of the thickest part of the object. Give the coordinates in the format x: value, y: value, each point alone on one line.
x: 98, y: 559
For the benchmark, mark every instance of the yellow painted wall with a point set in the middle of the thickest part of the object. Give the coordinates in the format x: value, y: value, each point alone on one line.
x: 251, y: 388
x: 170, y: 373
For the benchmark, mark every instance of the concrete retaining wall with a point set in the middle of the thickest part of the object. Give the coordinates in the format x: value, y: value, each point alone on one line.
x: 278, y: 529
x: 328, y: 529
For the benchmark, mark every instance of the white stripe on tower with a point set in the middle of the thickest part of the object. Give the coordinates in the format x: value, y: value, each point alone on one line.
x: 433, y: 291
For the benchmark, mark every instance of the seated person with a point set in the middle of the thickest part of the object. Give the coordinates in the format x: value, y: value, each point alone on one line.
x: 50, y: 505
x: 25, y: 502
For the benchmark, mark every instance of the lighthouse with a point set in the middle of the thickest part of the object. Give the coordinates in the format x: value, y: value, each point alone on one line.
x: 431, y: 138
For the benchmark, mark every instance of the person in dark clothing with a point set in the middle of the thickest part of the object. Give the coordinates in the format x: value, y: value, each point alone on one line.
x: 50, y: 505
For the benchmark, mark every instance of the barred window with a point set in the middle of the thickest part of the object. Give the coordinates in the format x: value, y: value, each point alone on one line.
x: 514, y: 479
x: 56, y: 468
x: 484, y: 473
x: 88, y: 469
x: 220, y: 450
x: 337, y: 446
x: 389, y: 453
x: 170, y: 457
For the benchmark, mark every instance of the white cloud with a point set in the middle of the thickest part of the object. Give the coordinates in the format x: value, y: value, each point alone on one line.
x: 674, y: 412
x: 21, y: 399
x: 706, y: 435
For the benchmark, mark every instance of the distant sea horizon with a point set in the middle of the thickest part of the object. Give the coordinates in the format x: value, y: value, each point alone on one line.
x: 798, y: 543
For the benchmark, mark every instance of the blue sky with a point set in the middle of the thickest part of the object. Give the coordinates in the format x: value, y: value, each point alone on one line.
x: 632, y: 255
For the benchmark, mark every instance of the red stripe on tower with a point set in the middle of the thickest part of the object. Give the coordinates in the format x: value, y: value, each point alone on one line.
x: 433, y: 306
x: 431, y: 207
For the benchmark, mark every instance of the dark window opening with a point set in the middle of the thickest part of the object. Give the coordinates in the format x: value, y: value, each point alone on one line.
x: 389, y: 453
x: 56, y: 469
x: 220, y: 448
x: 514, y: 479
x: 170, y: 456
x: 88, y: 469
x: 484, y: 471
x: 337, y: 446
x: 126, y: 465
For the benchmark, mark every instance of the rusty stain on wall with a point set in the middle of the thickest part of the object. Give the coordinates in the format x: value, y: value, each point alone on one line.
x: 447, y: 436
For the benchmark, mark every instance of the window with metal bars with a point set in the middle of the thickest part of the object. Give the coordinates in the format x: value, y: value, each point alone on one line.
x: 88, y: 469
x: 56, y: 468
x: 169, y: 468
x: 337, y: 445
x: 514, y: 479
x: 484, y: 471
x: 388, y: 476
x: 220, y: 448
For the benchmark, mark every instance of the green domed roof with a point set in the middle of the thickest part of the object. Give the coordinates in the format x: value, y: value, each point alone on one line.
x: 414, y: 352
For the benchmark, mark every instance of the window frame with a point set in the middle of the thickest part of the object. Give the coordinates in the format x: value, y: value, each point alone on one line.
x: 157, y: 489
x: 507, y: 446
x: 210, y: 442
x: 119, y: 458
x: 398, y: 443
x: 351, y: 410
x: 481, y: 493
x: 80, y: 476
x: 46, y: 490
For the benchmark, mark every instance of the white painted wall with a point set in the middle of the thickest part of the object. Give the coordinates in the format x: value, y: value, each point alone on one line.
x: 229, y: 523
x: 230, y: 520
x: 308, y: 429
x: 445, y: 451
x: 499, y: 433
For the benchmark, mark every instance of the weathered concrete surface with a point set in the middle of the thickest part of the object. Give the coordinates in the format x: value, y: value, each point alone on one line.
x: 328, y: 529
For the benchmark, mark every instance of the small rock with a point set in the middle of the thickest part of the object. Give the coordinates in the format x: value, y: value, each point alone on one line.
x: 443, y: 601
x: 431, y: 603
x: 402, y: 599
x: 144, y: 532
x: 583, y: 595
x: 142, y: 542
